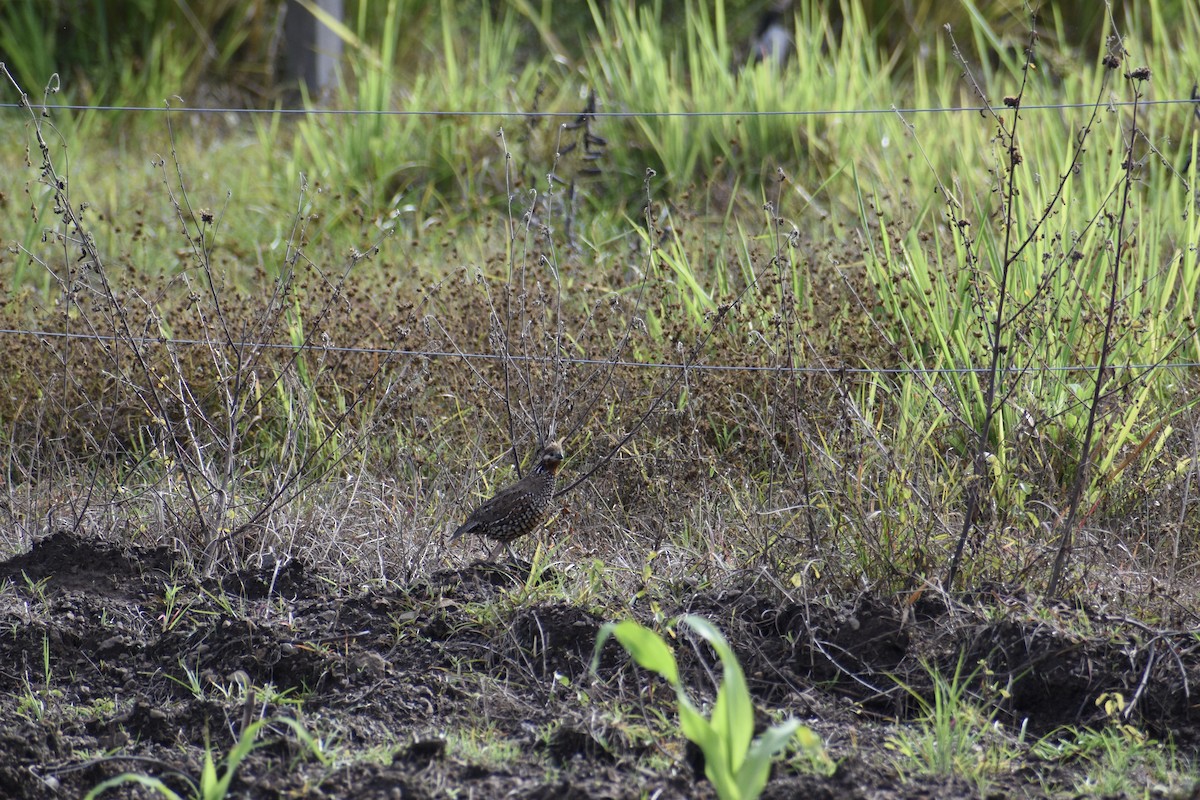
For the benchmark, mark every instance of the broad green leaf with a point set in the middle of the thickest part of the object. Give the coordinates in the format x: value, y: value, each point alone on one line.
x: 733, y: 714
x: 645, y: 646
x: 714, y: 746
x: 752, y: 777
x: 733, y: 711
x: 737, y: 767
x: 208, y: 774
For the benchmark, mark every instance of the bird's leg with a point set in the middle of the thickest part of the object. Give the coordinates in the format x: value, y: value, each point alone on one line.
x: 491, y: 553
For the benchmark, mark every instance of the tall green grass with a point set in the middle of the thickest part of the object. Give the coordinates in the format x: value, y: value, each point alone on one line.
x: 388, y: 150
x: 136, y: 52
x: 679, y: 90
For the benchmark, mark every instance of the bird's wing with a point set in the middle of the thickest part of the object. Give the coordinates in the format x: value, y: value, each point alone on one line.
x: 499, y: 507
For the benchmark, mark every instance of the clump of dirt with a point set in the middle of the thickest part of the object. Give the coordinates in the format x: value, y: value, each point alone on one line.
x: 114, y: 663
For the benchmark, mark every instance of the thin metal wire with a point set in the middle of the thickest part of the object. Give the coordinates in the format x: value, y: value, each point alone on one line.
x: 573, y: 115
x: 599, y: 114
x: 661, y: 365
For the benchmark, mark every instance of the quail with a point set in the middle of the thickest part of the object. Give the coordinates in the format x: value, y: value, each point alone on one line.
x: 518, y: 509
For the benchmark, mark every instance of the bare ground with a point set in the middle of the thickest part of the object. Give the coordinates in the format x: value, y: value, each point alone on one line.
x: 458, y: 685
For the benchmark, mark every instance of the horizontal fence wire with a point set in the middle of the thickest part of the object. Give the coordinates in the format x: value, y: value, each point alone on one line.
x: 659, y: 365
x: 434, y: 354
x: 351, y: 112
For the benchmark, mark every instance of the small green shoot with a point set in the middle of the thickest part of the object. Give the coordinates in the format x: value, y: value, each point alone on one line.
x: 214, y: 781
x: 36, y: 588
x: 954, y: 734
x: 736, y: 766
x: 191, y: 681
x: 173, y: 611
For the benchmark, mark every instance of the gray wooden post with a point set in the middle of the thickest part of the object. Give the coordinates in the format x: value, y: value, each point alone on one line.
x: 313, y: 50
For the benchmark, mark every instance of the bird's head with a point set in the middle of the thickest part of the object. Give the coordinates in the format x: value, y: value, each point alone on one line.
x: 552, y: 456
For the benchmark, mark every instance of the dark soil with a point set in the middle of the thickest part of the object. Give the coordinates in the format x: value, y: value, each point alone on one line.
x: 101, y: 674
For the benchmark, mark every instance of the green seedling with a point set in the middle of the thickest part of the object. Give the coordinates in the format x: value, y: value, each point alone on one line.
x: 737, y: 764
x: 214, y: 781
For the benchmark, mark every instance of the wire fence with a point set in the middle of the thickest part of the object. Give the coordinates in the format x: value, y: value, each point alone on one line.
x: 821, y: 369
x: 824, y: 112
